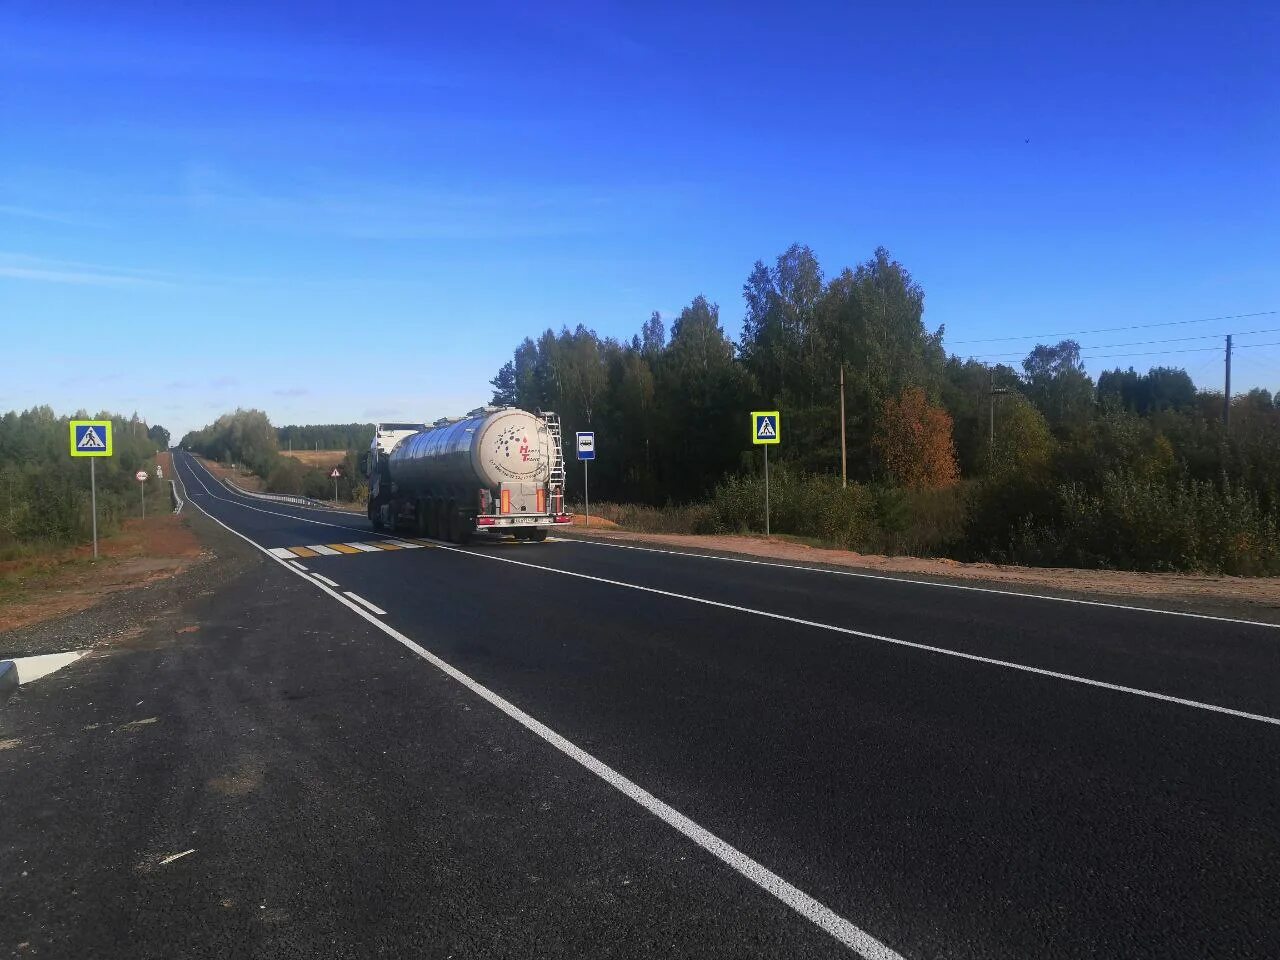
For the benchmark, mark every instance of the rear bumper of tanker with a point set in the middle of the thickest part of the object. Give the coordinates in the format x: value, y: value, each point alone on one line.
x: 502, y: 522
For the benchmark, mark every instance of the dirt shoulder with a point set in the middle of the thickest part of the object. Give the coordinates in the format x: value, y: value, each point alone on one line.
x: 47, y: 586
x: 145, y: 576
x: 1247, y: 597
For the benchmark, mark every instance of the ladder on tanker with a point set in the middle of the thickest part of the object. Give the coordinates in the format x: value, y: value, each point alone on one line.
x: 552, y: 420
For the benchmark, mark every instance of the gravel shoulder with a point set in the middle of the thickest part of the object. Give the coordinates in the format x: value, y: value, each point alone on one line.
x: 128, y: 599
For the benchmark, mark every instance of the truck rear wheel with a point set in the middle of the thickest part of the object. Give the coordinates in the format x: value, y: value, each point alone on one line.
x: 462, y: 523
x: 537, y: 536
x: 375, y: 517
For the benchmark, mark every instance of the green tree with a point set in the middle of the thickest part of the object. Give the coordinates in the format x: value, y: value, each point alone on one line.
x: 1058, y: 385
x: 703, y: 395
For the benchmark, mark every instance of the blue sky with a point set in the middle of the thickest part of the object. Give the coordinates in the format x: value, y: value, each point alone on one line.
x: 356, y: 212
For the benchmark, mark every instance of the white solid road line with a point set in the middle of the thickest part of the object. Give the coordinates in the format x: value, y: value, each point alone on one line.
x: 365, y: 603
x: 849, y: 631
x: 851, y: 935
x: 1101, y: 684
x: 927, y: 583
x: 275, y: 513
x: 325, y: 580
x: 296, y: 565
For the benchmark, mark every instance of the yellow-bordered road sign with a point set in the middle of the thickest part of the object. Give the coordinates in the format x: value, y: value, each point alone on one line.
x: 766, y: 426
x: 91, y: 438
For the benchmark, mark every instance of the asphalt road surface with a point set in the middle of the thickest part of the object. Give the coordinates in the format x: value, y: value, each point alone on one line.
x: 581, y: 749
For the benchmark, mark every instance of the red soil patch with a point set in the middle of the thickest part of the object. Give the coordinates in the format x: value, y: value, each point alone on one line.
x: 50, y: 585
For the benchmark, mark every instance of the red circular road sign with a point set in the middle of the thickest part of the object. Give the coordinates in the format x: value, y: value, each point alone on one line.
x: 140, y: 476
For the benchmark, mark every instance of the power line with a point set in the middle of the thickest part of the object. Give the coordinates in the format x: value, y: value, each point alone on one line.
x: 1147, y: 343
x: 1145, y: 353
x: 1139, y: 326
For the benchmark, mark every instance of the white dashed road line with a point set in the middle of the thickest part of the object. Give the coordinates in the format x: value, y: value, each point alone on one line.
x: 364, y: 603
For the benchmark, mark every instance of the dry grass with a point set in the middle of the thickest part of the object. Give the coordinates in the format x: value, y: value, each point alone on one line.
x: 240, y: 476
x: 48, y: 585
x: 317, y: 458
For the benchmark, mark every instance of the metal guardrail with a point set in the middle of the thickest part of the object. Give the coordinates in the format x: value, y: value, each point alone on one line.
x: 275, y: 497
x: 308, y: 502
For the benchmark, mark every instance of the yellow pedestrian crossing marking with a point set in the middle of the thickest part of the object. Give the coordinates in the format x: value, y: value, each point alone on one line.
x: 364, y: 546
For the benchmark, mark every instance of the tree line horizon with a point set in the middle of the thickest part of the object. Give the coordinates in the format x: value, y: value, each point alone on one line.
x: 1131, y: 470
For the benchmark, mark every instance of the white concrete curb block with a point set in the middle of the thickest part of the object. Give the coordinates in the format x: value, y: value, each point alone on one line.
x: 33, y: 668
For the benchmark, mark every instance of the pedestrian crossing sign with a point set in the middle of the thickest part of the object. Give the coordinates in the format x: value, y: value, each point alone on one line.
x: 91, y: 438
x: 765, y: 426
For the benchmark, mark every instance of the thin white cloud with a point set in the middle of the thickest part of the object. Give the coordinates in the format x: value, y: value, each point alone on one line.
x: 46, y: 216
x: 18, y: 266
x: 388, y: 212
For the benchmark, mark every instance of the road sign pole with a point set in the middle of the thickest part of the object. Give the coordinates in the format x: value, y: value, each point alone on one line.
x: 586, y: 492
x: 766, y: 491
x: 93, y: 501
x: 143, y: 487
x: 335, y: 491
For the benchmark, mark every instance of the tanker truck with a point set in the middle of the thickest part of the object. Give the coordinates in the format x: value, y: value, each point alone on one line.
x: 498, y: 470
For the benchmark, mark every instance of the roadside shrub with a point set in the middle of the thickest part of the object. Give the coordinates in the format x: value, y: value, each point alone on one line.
x: 642, y: 518
x: 858, y: 517
x: 1148, y: 523
x: 1130, y: 521
x: 286, y: 476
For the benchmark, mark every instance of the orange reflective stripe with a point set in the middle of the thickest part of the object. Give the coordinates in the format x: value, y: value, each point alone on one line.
x: 506, y: 501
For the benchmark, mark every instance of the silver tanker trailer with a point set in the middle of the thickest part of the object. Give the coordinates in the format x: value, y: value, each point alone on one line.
x: 497, y: 469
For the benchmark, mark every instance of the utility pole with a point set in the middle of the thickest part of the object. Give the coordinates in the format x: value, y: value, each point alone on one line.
x: 844, y: 447
x: 1226, y: 393
x: 994, y: 392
